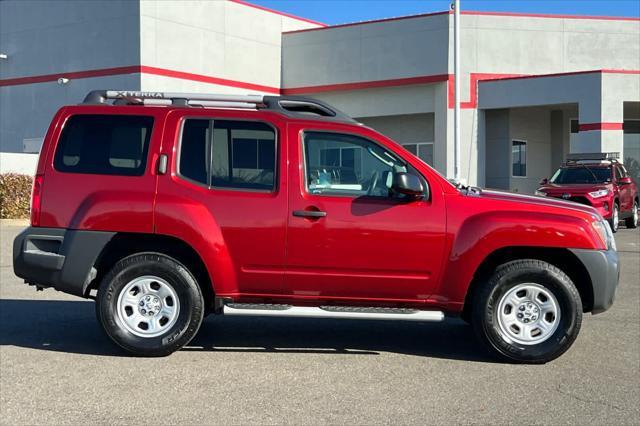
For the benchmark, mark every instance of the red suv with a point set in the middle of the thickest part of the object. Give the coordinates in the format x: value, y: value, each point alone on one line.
x: 165, y: 207
x: 597, y: 180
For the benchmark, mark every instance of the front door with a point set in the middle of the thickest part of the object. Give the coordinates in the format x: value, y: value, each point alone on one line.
x: 348, y: 236
x: 626, y: 195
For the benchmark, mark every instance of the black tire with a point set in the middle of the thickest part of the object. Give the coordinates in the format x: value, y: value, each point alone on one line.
x: 615, y: 213
x: 506, y: 277
x: 190, y: 303
x: 632, y: 222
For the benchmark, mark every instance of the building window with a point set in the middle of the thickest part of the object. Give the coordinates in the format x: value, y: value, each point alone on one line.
x: 575, y: 125
x: 228, y: 154
x: 422, y: 150
x: 519, y: 159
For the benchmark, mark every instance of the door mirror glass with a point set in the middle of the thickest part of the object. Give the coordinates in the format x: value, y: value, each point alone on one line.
x: 544, y: 181
x: 408, y: 184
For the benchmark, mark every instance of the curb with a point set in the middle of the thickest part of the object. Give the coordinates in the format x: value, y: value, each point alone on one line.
x: 14, y: 222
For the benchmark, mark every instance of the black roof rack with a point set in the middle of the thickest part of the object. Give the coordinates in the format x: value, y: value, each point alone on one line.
x: 291, y: 106
x: 593, y: 157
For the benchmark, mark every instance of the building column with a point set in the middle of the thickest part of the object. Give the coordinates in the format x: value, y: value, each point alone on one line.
x: 443, y: 131
x: 600, y: 129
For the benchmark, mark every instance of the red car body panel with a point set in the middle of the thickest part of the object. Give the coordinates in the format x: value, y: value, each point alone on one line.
x: 374, y: 252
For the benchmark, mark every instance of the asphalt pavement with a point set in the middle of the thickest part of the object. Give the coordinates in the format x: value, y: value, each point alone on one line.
x: 57, y: 367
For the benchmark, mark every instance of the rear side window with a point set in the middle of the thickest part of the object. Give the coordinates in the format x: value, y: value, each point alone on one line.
x: 228, y: 154
x: 104, y: 144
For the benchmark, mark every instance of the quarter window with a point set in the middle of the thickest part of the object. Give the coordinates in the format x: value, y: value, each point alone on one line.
x: 339, y: 164
x: 104, y: 144
x: 228, y: 154
x: 519, y: 158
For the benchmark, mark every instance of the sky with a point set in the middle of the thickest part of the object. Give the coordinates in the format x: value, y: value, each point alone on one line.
x: 343, y: 11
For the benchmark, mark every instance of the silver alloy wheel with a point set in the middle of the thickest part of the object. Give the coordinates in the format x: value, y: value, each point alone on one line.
x: 528, y: 314
x: 148, y: 306
x: 616, y: 217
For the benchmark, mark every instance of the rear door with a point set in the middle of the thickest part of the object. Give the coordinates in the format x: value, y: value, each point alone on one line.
x: 225, y: 196
x: 348, y: 237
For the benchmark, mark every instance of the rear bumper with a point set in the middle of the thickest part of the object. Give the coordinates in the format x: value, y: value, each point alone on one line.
x: 58, y: 258
x: 604, y: 270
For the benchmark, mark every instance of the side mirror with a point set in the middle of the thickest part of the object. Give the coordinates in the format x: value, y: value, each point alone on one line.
x: 408, y: 184
x: 544, y: 181
x: 624, y: 181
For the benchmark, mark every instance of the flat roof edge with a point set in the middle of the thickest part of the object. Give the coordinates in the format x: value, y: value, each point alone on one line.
x: 474, y: 13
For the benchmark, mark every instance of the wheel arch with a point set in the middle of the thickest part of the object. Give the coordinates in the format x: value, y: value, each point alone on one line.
x: 125, y: 244
x: 561, y: 258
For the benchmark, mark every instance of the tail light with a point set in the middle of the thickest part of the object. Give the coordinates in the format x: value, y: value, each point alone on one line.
x: 36, y: 200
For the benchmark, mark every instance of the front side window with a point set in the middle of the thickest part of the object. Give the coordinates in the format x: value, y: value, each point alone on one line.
x: 104, y: 144
x: 340, y: 164
x: 519, y: 159
x: 228, y: 154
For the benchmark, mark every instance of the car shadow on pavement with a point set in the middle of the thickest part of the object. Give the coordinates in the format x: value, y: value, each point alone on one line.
x: 71, y: 326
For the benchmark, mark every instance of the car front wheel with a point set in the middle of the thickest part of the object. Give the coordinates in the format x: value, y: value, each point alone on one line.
x: 529, y: 311
x: 149, y: 304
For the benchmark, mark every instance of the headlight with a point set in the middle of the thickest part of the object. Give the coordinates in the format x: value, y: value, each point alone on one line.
x: 540, y: 193
x: 606, y: 235
x: 599, y: 194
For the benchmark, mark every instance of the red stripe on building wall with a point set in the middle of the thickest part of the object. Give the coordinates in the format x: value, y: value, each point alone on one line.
x: 132, y: 69
x: 474, y: 79
x: 550, y: 15
x: 585, y: 127
x: 366, y: 84
x: 207, y: 79
x: 142, y: 69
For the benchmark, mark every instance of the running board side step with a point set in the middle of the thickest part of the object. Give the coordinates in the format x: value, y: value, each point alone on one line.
x: 343, y: 312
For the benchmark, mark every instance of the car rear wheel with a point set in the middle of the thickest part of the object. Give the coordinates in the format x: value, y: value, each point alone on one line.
x: 615, y: 218
x: 149, y: 304
x: 529, y: 311
x: 632, y: 222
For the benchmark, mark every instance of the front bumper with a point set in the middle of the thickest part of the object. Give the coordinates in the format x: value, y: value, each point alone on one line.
x: 58, y: 258
x: 602, y: 205
x: 604, y: 270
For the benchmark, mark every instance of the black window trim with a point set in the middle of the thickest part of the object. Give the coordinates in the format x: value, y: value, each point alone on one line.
x: 348, y: 133
x: 276, y: 174
x: 144, y: 171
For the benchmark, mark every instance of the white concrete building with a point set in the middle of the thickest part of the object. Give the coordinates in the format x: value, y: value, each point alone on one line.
x: 534, y: 87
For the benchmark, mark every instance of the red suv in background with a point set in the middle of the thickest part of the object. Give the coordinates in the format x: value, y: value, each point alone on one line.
x: 597, y: 180
x: 165, y: 207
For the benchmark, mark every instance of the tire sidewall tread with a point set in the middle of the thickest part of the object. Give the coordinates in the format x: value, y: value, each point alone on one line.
x: 506, y: 276
x: 186, y: 288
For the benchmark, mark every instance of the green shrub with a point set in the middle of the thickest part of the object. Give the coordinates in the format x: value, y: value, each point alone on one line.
x: 15, y: 195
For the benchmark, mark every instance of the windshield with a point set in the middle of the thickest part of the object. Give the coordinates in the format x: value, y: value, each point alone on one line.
x: 583, y: 174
